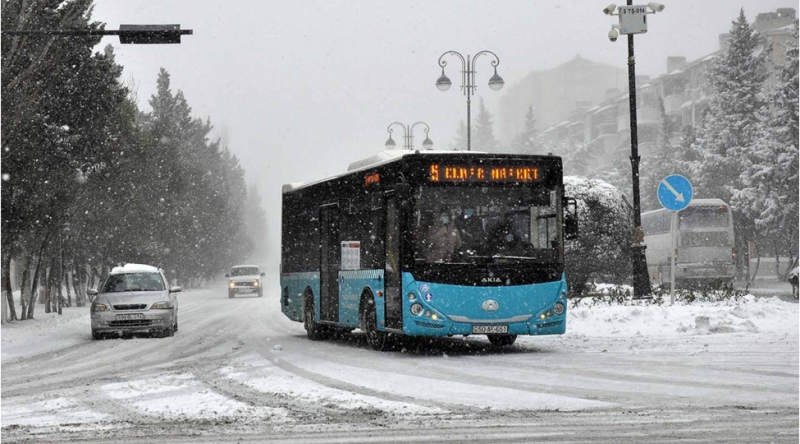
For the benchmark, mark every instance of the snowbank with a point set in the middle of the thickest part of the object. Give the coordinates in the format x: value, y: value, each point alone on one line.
x: 749, y: 315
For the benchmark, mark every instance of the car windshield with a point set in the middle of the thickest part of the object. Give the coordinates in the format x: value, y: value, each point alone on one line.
x: 117, y: 283
x: 470, y: 224
x: 244, y: 271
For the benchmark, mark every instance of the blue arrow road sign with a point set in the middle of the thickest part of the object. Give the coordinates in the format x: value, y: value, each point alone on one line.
x: 675, y: 192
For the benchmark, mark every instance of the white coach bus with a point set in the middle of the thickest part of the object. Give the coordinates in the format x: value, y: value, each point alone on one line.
x: 704, y: 243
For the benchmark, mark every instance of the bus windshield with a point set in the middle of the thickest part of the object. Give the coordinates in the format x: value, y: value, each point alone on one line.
x: 704, y: 217
x: 486, y: 224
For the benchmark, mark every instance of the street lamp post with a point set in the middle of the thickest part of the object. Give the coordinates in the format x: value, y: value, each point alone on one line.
x: 408, y: 136
x: 128, y: 34
x: 633, y: 20
x: 468, y: 81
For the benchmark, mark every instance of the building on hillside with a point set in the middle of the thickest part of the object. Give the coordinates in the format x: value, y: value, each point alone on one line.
x: 684, y: 91
x: 556, y: 93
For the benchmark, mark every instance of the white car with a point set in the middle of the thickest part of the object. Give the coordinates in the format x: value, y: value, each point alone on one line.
x: 135, y: 298
x: 244, y: 279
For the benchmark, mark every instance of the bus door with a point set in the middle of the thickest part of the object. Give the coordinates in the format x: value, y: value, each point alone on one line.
x: 329, y: 263
x: 393, y: 295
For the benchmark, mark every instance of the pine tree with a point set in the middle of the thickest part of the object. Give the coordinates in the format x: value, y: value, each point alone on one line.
x: 730, y: 126
x: 665, y: 160
x: 460, y: 142
x: 483, y: 139
x: 255, y: 220
x: 769, y: 186
x: 525, y: 142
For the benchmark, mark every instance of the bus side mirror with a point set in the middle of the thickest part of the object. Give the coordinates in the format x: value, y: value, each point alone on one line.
x: 570, y: 218
x: 403, y: 191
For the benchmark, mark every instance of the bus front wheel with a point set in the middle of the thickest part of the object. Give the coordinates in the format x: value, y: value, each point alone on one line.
x: 369, y: 324
x: 315, y: 332
x: 502, y: 340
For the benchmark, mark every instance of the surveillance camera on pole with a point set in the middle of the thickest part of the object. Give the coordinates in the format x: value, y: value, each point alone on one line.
x: 632, y: 18
x: 613, y: 35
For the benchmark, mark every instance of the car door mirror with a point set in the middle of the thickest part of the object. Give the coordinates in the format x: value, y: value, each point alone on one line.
x: 227, y: 275
x: 175, y: 289
x: 570, y: 218
x: 263, y: 274
x: 92, y: 292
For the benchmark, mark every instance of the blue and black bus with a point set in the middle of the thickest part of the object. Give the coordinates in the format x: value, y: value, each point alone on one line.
x: 429, y: 244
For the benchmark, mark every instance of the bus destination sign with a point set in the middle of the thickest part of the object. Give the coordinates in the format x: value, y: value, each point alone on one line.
x: 487, y: 174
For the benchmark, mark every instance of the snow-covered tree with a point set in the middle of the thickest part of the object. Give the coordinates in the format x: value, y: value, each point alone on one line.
x: 769, y: 185
x: 665, y: 160
x: 731, y: 125
x: 525, y: 142
x: 483, y: 135
x: 255, y: 219
x: 460, y: 142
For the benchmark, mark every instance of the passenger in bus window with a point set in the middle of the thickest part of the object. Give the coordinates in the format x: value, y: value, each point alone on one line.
x: 506, y: 239
x: 470, y: 227
x: 442, y: 239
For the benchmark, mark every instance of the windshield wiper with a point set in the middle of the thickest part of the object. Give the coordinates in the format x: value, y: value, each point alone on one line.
x: 500, y: 256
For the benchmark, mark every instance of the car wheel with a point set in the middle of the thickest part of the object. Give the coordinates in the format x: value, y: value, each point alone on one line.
x: 175, y: 329
x: 502, y: 340
x: 260, y: 293
x: 376, y: 339
x: 314, y: 331
x: 230, y: 294
x: 96, y: 335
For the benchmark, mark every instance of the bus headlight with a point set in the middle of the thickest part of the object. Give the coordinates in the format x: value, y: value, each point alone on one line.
x: 416, y: 309
x: 558, y: 309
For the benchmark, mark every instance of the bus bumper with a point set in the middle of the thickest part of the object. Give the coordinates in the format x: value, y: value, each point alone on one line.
x: 705, y: 271
x: 426, y: 327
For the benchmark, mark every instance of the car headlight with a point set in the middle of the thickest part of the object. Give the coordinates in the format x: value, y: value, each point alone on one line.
x: 416, y: 309
x: 231, y: 284
x: 99, y: 307
x: 558, y: 309
x: 163, y: 305
x: 255, y: 283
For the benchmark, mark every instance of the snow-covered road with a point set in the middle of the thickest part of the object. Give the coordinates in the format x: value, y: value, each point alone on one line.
x: 239, y: 371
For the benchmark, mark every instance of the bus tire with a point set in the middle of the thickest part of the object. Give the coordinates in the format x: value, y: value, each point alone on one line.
x: 314, y: 331
x: 376, y: 339
x: 502, y: 340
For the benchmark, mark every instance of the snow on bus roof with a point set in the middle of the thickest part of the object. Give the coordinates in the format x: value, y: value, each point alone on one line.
x: 698, y: 203
x: 129, y: 268
x: 380, y: 158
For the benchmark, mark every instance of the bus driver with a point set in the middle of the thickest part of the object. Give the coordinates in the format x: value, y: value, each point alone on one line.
x: 441, y: 241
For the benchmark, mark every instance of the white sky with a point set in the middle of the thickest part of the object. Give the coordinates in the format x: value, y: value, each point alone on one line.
x: 306, y: 87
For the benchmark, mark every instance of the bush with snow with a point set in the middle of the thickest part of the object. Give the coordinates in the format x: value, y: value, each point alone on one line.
x: 602, y: 250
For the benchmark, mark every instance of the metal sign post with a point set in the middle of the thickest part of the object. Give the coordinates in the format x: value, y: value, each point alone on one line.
x: 673, y: 227
x: 675, y: 192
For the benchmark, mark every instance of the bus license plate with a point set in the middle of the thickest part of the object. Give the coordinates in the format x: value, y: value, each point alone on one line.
x: 130, y: 317
x: 489, y: 329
